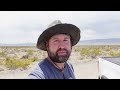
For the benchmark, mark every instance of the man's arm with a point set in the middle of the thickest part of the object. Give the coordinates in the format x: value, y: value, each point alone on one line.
x: 37, y: 73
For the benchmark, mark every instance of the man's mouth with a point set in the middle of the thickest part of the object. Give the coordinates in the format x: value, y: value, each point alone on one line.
x: 62, y: 52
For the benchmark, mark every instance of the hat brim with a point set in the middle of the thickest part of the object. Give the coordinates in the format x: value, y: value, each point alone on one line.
x: 70, y: 29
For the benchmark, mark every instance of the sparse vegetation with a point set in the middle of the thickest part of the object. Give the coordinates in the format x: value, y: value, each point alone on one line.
x: 84, y: 51
x: 17, y: 57
x: 114, y: 53
x: 1, y: 62
x: 13, y: 63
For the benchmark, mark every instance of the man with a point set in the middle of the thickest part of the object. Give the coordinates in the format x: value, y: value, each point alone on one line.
x: 57, y: 40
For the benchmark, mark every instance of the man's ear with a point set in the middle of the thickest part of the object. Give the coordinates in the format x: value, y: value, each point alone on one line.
x: 46, y: 44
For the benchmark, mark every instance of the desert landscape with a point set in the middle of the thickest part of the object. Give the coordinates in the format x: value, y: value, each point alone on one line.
x: 16, y: 62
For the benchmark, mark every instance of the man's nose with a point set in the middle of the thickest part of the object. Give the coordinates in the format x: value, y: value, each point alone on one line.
x: 61, y: 45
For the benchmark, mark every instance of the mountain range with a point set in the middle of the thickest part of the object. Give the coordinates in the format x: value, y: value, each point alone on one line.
x: 21, y: 44
x: 100, y: 41
x: 81, y: 42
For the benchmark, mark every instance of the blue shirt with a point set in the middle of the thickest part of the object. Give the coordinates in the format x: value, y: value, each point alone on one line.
x: 46, y: 70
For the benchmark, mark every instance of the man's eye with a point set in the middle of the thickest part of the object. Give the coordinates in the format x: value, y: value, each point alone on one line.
x: 65, y: 40
x: 56, y: 41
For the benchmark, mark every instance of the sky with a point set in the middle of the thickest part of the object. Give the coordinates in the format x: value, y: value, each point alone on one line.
x: 26, y: 26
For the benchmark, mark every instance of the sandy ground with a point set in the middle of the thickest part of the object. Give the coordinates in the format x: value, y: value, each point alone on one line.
x: 83, y: 70
x: 86, y: 69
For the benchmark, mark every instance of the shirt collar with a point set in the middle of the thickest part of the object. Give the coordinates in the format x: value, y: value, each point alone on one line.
x: 56, y: 65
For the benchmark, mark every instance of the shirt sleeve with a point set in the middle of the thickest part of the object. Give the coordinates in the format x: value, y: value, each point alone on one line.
x: 37, y: 73
x: 71, y: 66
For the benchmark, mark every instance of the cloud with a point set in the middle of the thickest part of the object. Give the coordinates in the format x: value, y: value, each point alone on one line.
x: 19, y: 36
x: 88, y: 34
x: 16, y: 18
x: 26, y: 26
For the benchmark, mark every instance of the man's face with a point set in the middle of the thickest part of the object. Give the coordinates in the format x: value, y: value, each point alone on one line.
x: 59, y: 48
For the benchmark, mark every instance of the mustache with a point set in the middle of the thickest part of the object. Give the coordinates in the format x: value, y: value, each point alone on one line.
x: 62, y: 50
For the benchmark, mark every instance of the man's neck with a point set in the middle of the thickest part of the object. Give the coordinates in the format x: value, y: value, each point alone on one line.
x: 57, y: 65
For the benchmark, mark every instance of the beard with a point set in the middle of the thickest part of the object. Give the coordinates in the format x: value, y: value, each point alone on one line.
x: 59, y: 58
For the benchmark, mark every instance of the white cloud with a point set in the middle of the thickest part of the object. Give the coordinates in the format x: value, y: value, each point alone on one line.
x: 112, y: 34
x: 16, y: 18
x: 26, y: 26
x: 19, y: 36
x: 88, y: 34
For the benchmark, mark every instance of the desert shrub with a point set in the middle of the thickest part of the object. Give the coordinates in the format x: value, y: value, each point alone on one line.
x: 1, y: 62
x: 85, y: 52
x: 35, y: 58
x: 30, y: 52
x: 77, y: 49
x: 13, y: 63
x: 90, y: 52
x: 95, y: 52
x: 2, y: 54
x: 114, y: 53
x: 25, y: 56
x: 44, y: 54
x: 108, y: 48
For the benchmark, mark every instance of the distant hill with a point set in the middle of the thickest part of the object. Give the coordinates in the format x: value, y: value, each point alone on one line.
x: 100, y: 41
x: 111, y: 41
x: 22, y: 44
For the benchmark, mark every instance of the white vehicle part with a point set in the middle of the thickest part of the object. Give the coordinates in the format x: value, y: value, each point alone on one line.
x: 109, y: 68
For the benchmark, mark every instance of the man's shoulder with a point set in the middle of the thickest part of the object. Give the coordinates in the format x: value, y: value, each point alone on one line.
x: 43, y: 63
x: 70, y: 65
x: 37, y: 72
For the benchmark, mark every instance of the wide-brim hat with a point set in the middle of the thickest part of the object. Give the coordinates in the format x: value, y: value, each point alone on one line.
x: 58, y: 28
